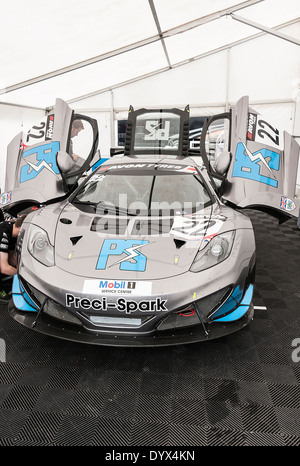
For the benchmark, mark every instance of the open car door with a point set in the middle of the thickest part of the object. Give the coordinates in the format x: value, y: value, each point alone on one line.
x: 45, y: 163
x: 254, y: 161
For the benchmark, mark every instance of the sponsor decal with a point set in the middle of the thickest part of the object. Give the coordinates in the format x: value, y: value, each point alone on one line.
x: 114, y: 287
x: 268, y: 134
x: 5, y: 198
x: 36, y: 132
x: 156, y: 131
x: 45, y: 159
x: 128, y: 252
x: 251, y: 129
x: 196, y: 228
x: 249, y: 165
x: 41, y: 132
x: 163, y: 166
x: 287, y: 204
x: 49, y: 127
x: 261, y: 131
x: 23, y: 146
x: 122, y: 305
x: 189, y: 169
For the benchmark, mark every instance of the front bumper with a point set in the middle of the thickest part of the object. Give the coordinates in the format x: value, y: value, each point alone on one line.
x: 55, y: 328
x: 186, y: 308
x: 228, y: 319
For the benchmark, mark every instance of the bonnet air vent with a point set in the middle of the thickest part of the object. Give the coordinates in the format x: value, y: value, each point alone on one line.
x: 179, y: 243
x: 75, y: 239
x: 65, y: 221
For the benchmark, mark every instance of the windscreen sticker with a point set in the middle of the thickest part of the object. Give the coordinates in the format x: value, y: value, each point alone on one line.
x: 156, y: 131
x: 45, y: 156
x: 116, y: 287
x: 125, y: 253
x: 162, y: 166
x: 249, y: 165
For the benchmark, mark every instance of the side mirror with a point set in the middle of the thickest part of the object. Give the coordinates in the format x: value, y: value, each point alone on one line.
x: 222, y: 163
x: 64, y: 161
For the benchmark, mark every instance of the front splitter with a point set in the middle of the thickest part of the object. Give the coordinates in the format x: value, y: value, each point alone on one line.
x: 62, y: 330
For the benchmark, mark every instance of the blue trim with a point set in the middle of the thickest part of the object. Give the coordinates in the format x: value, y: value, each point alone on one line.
x: 98, y: 163
x: 241, y: 309
x: 20, y: 298
x: 230, y: 304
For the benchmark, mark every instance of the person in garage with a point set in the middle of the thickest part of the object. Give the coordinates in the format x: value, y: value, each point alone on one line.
x: 9, y: 232
x: 77, y: 126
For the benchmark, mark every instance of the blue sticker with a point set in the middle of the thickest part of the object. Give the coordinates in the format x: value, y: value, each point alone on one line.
x: 21, y: 300
x: 240, y: 310
x: 248, y: 165
x: 45, y: 159
x: 133, y: 260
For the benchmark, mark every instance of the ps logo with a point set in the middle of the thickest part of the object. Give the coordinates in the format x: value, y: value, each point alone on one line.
x: 248, y: 165
x: 45, y: 159
x: 156, y: 132
x: 133, y: 260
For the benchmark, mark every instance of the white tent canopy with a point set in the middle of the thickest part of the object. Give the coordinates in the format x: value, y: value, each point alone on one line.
x: 103, y: 55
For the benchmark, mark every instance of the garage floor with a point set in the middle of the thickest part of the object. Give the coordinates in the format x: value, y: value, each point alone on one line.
x: 240, y: 390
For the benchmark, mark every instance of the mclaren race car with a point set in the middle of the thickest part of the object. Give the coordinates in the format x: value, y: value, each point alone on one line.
x: 149, y: 247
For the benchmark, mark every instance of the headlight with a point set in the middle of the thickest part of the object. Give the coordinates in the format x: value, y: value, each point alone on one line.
x: 39, y: 246
x: 217, y: 250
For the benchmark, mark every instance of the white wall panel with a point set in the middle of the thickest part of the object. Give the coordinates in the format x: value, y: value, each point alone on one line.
x: 200, y: 82
x: 265, y: 68
x: 13, y: 121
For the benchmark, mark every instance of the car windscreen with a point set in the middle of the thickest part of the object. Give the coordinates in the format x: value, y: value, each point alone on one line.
x: 143, y: 193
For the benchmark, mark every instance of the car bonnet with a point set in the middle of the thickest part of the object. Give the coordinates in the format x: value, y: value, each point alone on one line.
x: 125, y: 247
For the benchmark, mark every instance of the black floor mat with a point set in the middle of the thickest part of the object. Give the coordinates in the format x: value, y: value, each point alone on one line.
x: 239, y: 390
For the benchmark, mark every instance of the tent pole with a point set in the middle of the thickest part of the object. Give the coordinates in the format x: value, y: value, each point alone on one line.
x: 227, y: 79
x: 271, y: 31
x: 112, y: 120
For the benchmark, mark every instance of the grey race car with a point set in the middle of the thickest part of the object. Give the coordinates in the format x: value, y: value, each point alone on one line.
x: 147, y: 249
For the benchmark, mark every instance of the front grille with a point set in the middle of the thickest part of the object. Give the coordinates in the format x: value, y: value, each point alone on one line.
x: 179, y: 319
x: 188, y: 315
x: 57, y: 311
x: 51, y: 308
x: 114, y: 321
